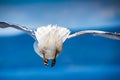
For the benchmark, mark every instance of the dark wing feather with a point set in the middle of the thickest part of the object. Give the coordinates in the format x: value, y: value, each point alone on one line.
x: 25, y: 29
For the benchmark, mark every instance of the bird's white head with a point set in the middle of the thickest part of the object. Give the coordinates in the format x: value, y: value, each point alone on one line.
x: 50, y: 41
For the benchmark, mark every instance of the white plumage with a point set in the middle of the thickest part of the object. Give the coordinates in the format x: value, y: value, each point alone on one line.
x: 58, y: 32
x: 49, y: 39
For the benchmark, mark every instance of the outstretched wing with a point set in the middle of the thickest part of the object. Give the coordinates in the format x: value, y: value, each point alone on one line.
x: 5, y: 25
x: 97, y: 33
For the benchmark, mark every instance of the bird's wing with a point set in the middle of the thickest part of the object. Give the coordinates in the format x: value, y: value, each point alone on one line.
x: 25, y: 29
x: 97, y: 33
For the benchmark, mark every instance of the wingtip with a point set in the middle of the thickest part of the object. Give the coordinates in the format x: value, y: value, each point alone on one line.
x: 4, y: 25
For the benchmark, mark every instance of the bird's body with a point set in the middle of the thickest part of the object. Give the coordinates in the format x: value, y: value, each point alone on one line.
x: 49, y: 39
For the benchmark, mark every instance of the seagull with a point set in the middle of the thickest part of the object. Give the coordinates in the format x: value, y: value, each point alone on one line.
x: 49, y: 39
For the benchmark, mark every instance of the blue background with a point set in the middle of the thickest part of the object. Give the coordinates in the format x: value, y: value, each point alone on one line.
x: 83, y: 58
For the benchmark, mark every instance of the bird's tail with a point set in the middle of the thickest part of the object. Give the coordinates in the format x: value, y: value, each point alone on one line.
x: 59, y: 33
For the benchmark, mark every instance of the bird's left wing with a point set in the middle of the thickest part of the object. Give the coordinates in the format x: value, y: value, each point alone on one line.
x: 25, y: 29
x: 97, y: 33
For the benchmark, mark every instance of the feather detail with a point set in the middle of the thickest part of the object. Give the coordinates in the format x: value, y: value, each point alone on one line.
x: 50, y: 38
x: 59, y: 33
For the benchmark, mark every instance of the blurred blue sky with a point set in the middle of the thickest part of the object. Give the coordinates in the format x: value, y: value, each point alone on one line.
x: 73, y: 14
x: 83, y: 58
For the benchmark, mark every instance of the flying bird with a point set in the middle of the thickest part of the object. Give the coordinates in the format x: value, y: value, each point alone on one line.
x: 49, y: 39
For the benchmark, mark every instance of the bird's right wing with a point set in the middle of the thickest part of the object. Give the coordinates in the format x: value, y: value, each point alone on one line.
x: 25, y: 29
x: 97, y: 33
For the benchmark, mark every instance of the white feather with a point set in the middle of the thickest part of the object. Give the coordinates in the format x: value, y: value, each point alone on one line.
x: 59, y: 33
x: 51, y: 37
x: 37, y: 49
